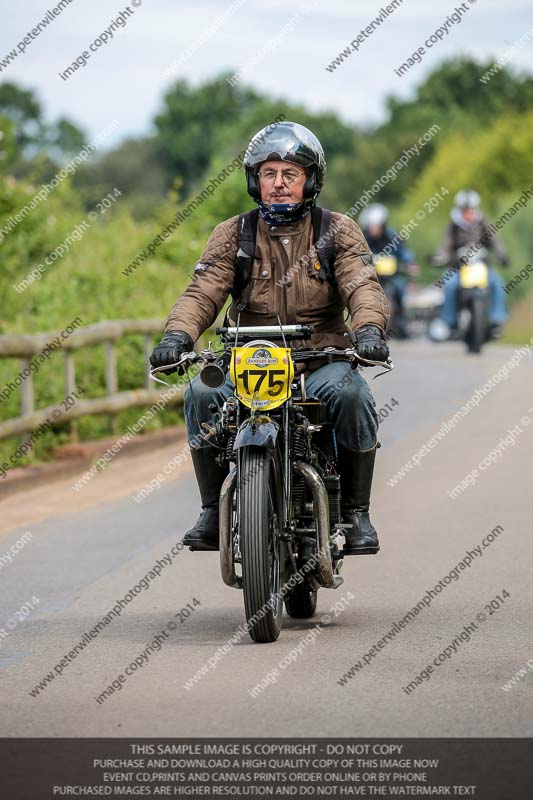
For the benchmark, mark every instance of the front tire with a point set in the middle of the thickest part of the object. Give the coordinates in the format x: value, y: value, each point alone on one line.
x: 397, y: 326
x: 259, y: 524
x: 477, y: 327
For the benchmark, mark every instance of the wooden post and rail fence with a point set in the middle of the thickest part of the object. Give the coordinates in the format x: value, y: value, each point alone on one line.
x: 26, y: 347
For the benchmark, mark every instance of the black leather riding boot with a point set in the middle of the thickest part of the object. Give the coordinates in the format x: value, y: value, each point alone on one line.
x: 357, y: 468
x: 210, y: 477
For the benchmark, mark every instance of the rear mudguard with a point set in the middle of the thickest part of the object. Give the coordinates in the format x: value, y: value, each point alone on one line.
x: 263, y: 433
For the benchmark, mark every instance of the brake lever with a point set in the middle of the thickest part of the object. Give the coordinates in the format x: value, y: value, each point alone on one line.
x: 367, y: 362
x: 154, y: 370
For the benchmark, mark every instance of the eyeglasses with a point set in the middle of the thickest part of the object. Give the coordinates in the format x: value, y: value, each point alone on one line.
x: 288, y: 176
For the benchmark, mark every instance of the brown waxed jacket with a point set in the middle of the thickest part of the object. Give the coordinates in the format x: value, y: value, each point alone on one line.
x: 284, y: 285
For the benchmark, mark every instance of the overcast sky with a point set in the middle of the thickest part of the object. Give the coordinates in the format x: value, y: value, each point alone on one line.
x: 292, y: 44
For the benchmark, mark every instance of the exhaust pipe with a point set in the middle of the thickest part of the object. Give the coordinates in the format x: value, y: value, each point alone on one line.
x: 320, y: 497
x: 227, y: 566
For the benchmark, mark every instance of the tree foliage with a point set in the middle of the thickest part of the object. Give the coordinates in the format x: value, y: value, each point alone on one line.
x: 485, y: 141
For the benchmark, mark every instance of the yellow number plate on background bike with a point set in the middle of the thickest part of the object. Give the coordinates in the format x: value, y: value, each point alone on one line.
x: 386, y: 265
x: 472, y: 275
x: 262, y: 375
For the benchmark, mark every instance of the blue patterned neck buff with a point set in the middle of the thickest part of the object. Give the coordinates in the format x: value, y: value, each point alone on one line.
x: 282, y: 213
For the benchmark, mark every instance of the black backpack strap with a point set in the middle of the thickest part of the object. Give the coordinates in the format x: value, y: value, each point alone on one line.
x: 324, y: 240
x: 246, y: 236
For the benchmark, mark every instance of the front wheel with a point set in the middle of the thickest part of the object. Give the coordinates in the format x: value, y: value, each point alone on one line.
x: 397, y: 326
x: 259, y: 524
x: 477, y: 328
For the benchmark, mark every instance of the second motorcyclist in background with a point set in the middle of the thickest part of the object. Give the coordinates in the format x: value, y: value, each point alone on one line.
x: 384, y: 241
x: 468, y: 228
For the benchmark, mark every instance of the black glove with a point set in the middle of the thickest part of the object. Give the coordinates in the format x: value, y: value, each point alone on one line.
x: 170, y: 349
x: 504, y: 261
x: 369, y: 341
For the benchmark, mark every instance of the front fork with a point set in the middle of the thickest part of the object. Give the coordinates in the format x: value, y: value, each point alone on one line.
x: 329, y: 577
x: 287, y: 523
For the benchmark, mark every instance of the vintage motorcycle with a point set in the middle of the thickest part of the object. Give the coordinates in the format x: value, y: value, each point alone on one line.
x: 473, y: 302
x: 387, y: 269
x: 280, y: 504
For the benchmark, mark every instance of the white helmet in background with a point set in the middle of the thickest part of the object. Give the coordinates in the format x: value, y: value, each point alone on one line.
x: 375, y: 215
x: 466, y: 211
x: 467, y: 198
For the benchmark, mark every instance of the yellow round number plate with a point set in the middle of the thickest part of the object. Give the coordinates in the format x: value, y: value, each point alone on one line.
x: 262, y: 375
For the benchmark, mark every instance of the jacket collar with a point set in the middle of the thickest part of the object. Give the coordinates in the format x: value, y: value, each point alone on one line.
x: 292, y: 229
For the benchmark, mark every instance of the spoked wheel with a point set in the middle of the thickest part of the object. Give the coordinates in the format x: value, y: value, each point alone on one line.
x: 477, y: 329
x: 390, y: 294
x: 261, y: 547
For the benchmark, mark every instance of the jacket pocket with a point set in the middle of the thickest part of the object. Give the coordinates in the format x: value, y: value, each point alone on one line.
x: 260, y: 286
x: 314, y: 292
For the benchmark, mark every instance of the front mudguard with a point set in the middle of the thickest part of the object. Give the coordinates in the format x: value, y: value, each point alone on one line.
x: 261, y: 433
x: 467, y: 296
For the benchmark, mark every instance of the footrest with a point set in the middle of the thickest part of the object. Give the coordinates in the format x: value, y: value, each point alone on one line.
x: 364, y: 551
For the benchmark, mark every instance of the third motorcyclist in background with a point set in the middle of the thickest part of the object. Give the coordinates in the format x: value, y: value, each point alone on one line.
x: 468, y: 229
x: 393, y: 262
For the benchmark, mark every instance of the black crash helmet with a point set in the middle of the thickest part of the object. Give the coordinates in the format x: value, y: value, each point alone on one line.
x: 286, y: 141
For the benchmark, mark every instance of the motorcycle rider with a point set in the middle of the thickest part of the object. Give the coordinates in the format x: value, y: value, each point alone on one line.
x: 285, y: 167
x: 373, y: 222
x: 468, y: 227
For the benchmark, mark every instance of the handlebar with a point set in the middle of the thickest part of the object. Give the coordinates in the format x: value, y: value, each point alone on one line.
x: 246, y: 334
x: 208, y: 357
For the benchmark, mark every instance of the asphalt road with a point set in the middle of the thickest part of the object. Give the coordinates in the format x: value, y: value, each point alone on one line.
x: 88, y: 550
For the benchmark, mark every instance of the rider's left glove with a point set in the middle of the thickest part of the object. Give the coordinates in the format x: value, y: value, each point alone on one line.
x: 170, y: 349
x: 369, y: 341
